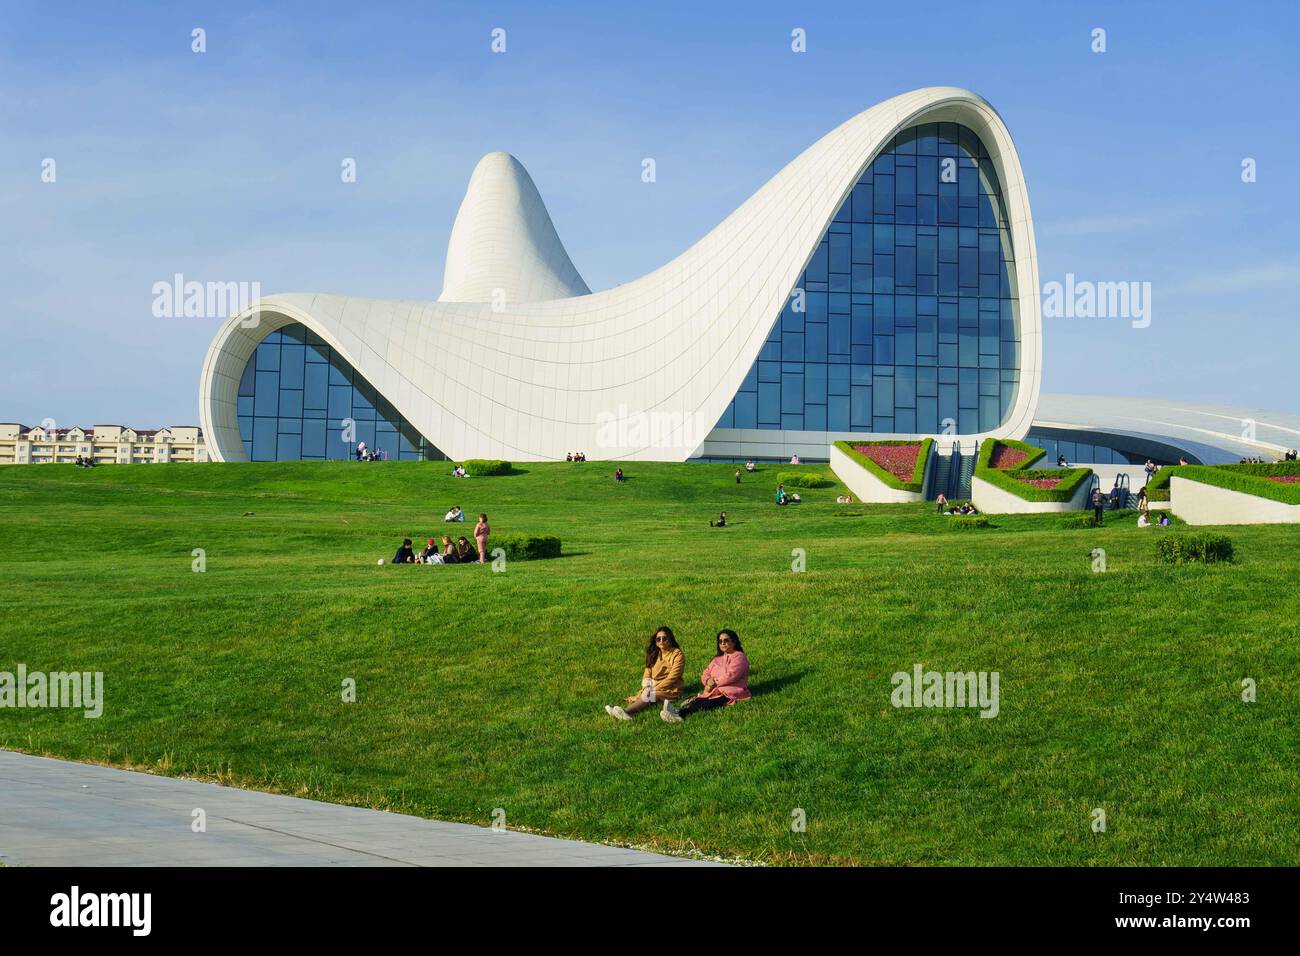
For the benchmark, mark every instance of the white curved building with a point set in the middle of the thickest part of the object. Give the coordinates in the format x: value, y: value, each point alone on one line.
x: 884, y: 284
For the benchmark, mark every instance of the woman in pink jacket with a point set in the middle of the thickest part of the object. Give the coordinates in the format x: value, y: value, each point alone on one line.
x: 725, y: 680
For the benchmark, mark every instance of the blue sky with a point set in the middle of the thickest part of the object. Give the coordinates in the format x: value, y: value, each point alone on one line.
x: 225, y: 165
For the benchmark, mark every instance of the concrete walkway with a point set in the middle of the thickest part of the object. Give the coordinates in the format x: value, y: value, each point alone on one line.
x: 59, y: 813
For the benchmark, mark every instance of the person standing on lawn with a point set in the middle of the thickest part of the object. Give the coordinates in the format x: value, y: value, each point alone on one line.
x: 481, y: 532
x: 1098, y: 504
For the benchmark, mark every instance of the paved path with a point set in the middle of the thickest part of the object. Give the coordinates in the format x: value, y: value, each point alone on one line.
x: 59, y: 813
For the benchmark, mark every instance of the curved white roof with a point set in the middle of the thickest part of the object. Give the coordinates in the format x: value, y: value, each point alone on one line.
x: 640, y: 371
x: 503, y: 244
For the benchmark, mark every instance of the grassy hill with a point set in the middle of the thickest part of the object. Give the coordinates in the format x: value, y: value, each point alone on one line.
x: 478, y: 690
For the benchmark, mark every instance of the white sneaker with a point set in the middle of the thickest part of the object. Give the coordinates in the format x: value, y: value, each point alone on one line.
x: 669, y: 714
x: 618, y: 713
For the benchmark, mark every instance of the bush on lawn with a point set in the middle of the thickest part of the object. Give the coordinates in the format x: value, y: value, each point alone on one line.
x: 485, y: 467
x: 803, y: 479
x: 1203, y: 547
x: 527, y: 547
x: 969, y: 522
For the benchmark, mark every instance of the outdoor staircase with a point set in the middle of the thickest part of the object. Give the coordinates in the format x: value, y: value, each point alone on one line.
x: 952, y: 473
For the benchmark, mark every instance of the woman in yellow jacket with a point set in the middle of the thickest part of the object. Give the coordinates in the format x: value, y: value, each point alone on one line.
x: 662, y: 679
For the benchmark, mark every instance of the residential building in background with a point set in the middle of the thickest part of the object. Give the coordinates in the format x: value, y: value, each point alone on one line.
x: 102, y: 444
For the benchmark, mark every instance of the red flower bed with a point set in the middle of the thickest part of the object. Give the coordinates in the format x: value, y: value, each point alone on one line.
x: 1006, y: 457
x: 1047, y: 484
x: 1285, y: 479
x: 898, y: 460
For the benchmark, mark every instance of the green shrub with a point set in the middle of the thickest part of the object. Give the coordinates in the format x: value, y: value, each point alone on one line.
x: 485, y: 467
x: 1158, y: 485
x: 918, y: 472
x: 1008, y: 478
x: 1201, y: 547
x: 969, y: 522
x: 803, y: 479
x: 1088, y: 520
x: 526, y: 547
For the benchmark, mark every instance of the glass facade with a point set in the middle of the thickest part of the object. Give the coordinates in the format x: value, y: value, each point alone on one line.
x: 906, y: 315
x: 296, y: 398
x: 1089, y: 453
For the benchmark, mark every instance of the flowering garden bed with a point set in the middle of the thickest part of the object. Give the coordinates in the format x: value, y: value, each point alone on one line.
x: 1004, y: 463
x: 1285, y: 479
x: 898, y: 460
x: 899, y: 465
x: 1006, y: 457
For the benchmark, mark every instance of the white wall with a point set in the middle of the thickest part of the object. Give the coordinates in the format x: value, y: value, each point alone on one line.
x: 1198, y: 503
x: 991, y: 499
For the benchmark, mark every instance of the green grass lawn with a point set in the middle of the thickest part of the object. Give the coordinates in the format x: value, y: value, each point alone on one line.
x: 478, y: 690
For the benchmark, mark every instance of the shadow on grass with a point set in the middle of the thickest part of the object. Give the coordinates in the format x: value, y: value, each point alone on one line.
x: 764, y: 687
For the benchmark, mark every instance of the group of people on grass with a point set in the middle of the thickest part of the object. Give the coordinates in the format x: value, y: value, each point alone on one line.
x: 945, y: 508
x: 85, y: 462
x: 374, y: 454
x: 459, y: 551
x: 724, y: 681
x: 1099, y: 501
x: 458, y: 471
x: 576, y: 456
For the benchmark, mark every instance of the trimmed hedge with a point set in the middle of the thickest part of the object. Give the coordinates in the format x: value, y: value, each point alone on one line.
x: 1158, y: 485
x: 1007, y: 478
x: 803, y: 479
x: 1248, y: 479
x: 968, y: 522
x: 1202, y: 547
x: 527, y: 547
x: 486, y: 467
x: 891, y: 480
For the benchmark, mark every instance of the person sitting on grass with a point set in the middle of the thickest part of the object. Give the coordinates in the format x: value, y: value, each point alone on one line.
x: 404, y: 554
x: 455, y: 514
x: 449, y: 555
x: 618, y: 474
x: 749, y: 465
x: 662, y: 679
x: 721, y: 522
x: 430, y: 553
x: 844, y: 499
x: 1144, y: 519
x: 1164, y: 520
x: 781, y: 496
x: 569, y: 457
x: 465, y: 551
x: 725, y: 680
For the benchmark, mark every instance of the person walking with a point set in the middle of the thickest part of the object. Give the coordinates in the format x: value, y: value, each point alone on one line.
x: 1098, y: 504
x: 481, y: 532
